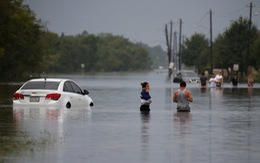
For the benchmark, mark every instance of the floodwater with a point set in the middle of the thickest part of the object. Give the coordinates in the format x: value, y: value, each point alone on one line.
x: 223, y: 125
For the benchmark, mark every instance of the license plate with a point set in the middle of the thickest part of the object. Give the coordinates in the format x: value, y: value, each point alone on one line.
x: 34, y: 99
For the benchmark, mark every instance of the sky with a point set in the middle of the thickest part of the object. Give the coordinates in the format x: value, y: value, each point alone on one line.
x: 142, y: 20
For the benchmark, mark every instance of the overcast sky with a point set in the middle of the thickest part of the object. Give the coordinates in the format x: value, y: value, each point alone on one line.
x: 141, y: 20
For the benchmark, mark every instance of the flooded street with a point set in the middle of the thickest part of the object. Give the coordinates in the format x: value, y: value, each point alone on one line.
x: 223, y: 125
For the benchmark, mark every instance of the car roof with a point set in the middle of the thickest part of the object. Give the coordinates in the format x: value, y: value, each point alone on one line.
x: 49, y: 79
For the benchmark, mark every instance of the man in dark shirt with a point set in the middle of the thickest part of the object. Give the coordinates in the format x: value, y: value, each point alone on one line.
x: 203, y: 80
x: 234, y: 80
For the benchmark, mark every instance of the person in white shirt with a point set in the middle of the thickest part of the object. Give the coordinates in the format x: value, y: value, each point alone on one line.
x: 219, y: 79
x: 212, y: 81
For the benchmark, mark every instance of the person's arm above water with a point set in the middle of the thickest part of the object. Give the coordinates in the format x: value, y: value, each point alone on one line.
x: 189, y: 96
x: 174, y: 98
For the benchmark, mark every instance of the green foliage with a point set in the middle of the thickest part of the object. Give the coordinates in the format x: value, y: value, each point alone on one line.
x: 231, y: 47
x: 157, y: 54
x: 255, y: 52
x: 195, y: 52
x: 26, y: 47
x: 116, y: 53
x: 19, y: 39
x: 90, y: 53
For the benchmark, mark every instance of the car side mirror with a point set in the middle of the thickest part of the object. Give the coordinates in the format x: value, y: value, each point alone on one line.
x: 85, y: 92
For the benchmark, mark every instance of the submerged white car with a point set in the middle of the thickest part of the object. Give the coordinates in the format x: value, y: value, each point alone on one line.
x: 51, y: 92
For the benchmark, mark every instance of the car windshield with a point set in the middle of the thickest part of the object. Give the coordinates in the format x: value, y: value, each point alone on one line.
x: 41, y: 85
x: 189, y: 74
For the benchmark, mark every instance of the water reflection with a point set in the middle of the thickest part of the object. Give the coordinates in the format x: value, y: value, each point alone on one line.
x: 250, y: 94
x: 182, y: 126
x: 250, y: 91
x: 46, y: 113
x: 216, y: 98
x: 145, y: 119
x: 182, y: 117
x: 241, y: 129
x: 43, y: 128
x: 22, y: 113
x: 223, y: 126
x: 203, y: 89
x: 168, y: 98
x: 234, y: 90
x: 16, y: 139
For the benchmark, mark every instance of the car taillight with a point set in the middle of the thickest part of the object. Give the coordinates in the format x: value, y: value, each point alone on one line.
x: 18, y: 96
x: 53, y: 96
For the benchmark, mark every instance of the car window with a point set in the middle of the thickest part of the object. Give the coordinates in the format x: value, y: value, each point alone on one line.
x: 76, y: 88
x: 67, y: 87
x: 41, y: 85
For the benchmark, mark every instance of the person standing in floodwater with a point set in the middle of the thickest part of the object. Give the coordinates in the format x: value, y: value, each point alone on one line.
x: 203, y: 81
x: 182, y: 97
x: 234, y: 80
x: 145, y: 97
x: 219, y: 79
x: 250, y: 81
x: 212, y: 81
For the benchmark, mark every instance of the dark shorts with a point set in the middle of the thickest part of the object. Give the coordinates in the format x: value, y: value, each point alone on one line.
x: 218, y: 84
x: 144, y: 108
x: 186, y: 109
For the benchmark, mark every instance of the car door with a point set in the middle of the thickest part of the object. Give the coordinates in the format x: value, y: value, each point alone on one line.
x: 79, y: 97
x: 71, y: 96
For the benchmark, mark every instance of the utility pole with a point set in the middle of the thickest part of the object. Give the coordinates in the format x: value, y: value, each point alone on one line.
x: 170, y: 44
x: 169, y: 47
x: 180, y: 49
x: 170, y: 54
x: 249, y: 38
x: 211, y: 46
x: 174, y: 58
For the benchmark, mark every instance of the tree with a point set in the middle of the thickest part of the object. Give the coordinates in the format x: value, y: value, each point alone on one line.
x: 157, y: 55
x: 116, y: 53
x: 50, y: 45
x: 231, y: 47
x: 20, y: 34
x: 88, y: 54
x: 195, y: 52
x: 255, y: 52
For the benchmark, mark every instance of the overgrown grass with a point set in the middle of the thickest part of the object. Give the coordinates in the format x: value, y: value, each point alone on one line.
x: 22, y: 144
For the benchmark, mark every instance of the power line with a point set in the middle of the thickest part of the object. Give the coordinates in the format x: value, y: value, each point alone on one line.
x: 204, y: 17
x: 242, y: 10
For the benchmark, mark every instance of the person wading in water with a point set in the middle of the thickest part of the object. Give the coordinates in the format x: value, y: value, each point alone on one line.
x: 182, y: 97
x: 145, y: 97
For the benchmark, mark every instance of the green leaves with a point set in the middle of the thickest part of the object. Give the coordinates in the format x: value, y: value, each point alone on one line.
x: 229, y: 48
x: 232, y: 46
x: 195, y: 52
x: 19, y: 41
x: 101, y: 53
